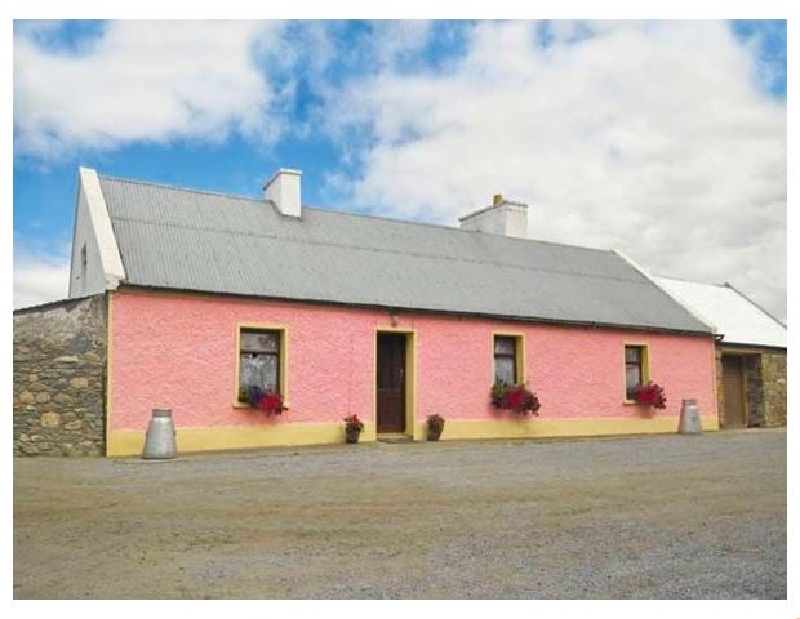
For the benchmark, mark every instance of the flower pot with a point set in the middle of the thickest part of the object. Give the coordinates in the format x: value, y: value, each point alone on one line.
x: 433, y: 435
x: 351, y: 436
x: 646, y: 411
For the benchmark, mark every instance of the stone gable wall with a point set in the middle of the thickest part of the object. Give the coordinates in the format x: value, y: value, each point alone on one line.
x: 59, y: 378
x: 773, y: 365
x: 754, y: 385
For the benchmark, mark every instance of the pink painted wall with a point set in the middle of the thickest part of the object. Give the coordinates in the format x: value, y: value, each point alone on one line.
x: 178, y: 351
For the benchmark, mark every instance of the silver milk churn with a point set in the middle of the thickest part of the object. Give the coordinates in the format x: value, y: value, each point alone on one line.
x: 160, y: 439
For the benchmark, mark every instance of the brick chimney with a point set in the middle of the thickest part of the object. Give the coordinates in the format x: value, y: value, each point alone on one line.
x: 284, y: 190
x: 503, y: 217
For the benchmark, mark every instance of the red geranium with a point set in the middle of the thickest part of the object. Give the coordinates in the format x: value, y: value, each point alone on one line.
x: 650, y: 395
x: 353, y: 423
x: 516, y: 398
x: 271, y: 403
x: 267, y: 401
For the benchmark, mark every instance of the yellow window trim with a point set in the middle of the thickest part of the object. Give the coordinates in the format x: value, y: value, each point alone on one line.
x: 519, y: 351
x: 645, y: 368
x: 283, y: 359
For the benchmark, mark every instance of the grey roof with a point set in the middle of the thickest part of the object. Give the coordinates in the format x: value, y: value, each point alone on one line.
x: 176, y: 238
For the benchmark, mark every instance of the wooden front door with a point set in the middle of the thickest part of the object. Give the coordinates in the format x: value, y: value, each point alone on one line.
x: 391, y: 382
x: 733, y: 381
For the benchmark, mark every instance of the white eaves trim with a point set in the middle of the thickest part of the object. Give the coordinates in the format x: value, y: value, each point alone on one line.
x: 705, y: 320
x: 101, y: 223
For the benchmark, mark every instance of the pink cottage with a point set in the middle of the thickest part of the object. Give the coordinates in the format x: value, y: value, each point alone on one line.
x: 211, y: 298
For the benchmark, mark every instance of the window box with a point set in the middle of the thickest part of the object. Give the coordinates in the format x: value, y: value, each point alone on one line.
x: 516, y: 398
x: 270, y: 402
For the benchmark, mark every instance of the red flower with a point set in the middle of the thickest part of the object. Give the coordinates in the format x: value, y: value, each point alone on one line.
x: 270, y: 402
x: 352, y: 422
x: 651, y: 395
x: 516, y: 398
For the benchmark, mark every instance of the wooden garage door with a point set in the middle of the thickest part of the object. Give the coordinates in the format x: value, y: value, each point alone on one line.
x: 733, y: 380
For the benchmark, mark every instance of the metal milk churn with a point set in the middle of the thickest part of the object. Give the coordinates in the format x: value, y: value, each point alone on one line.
x: 690, y: 418
x: 160, y: 439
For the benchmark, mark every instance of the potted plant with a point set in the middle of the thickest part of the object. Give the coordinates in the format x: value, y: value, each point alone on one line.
x: 435, y: 426
x: 516, y: 398
x: 650, y: 394
x: 271, y: 402
x: 353, y: 427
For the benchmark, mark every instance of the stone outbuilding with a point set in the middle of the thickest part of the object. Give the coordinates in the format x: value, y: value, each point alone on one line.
x: 750, y: 353
x: 60, y: 356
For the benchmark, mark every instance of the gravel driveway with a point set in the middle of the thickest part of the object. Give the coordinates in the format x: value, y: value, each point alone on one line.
x: 643, y: 517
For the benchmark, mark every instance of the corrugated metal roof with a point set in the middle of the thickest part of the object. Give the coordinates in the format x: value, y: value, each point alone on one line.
x: 732, y: 314
x: 177, y: 238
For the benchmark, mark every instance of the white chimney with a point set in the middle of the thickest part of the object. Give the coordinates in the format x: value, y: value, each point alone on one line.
x: 502, y: 217
x: 284, y: 190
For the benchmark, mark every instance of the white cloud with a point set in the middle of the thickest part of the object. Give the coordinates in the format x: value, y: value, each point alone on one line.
x: 144, y: 80
x: 655, y: 138
x: 652, y: 138
x: 40, y: 275
x: 398, y: 39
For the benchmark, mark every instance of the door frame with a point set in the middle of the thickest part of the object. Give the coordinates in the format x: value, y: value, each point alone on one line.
x: 410, y: 379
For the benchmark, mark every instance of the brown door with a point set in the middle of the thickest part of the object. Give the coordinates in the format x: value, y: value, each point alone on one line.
x: 391, y: 385
x: 733, y: 380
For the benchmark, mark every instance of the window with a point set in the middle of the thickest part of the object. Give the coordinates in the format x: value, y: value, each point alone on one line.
x: 635, y: 369
x: 259, y: 361
x: 506, y: 360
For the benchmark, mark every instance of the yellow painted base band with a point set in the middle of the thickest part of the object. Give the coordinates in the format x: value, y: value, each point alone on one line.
x: 457, y: 429
x: 131, y: 442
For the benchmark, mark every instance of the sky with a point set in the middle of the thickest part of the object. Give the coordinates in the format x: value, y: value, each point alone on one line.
x: 665, y: 140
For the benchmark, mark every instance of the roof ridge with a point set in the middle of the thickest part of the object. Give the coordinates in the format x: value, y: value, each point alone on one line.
x: 206, y: 192
x: 430, y: 224
x: 335, y: 211
x: 689, y: 281
x: 753, y: 303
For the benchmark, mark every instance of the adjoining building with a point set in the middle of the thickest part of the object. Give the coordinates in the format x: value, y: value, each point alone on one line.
x: 750, y: 352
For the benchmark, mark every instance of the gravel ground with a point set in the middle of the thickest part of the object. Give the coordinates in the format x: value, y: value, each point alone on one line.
x: 644, y: 517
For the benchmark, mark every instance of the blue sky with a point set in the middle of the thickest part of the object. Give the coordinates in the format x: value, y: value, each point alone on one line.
x: 665, y: 140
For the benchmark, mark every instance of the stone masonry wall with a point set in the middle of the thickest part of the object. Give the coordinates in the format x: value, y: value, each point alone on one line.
x: 754, y: 384
x: 773, y: 365
x: 59, y: 378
